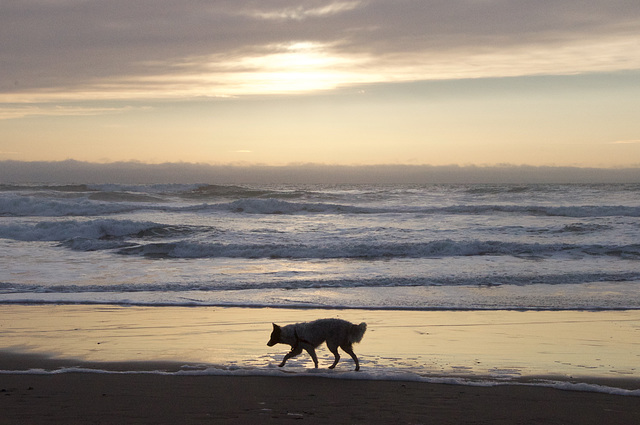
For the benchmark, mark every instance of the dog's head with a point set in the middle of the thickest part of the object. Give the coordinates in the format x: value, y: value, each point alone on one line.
x: 275, y: 336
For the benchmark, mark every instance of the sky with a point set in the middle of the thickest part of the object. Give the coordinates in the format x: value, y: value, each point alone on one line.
x: 433, y: 83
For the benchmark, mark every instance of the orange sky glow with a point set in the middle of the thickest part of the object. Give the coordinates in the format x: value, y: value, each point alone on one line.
x: 325, y: 81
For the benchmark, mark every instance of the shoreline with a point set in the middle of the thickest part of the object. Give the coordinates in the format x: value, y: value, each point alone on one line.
x: 616, y: 296
x: 23, y: 363
x: 594, y: 348
x: 307, y: 306
x: 77, y: 365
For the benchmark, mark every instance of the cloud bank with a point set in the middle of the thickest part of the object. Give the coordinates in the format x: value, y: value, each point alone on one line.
x: 118, y: 49
x: 139, y: 173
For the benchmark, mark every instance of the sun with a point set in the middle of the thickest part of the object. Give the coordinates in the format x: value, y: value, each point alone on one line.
x: 297, y: 67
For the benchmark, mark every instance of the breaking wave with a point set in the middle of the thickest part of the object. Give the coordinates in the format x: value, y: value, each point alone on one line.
x: 366, y: 250
x: 379, y: 282
x: 105, y: 229
x: 103, y: 203
x: 152, y: 239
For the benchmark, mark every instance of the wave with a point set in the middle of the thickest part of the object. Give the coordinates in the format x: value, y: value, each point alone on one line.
x: 377, y: 373
x: 109, y: 203
x: 378, y: 282
x: 500, y: 189
x: 372, y: 250
x: 536, y: 210
x: 186, y: 191
x: 276, y: 206
x: 71, y: 231
x: 240, y: 192
x: 30, y: 206
x: 123, y: 197
x: 583, y: 228
x: 107, y: 187
x: 157, y: 240
x: 544, y: 188
x: 201, y: 191
x: 46, y: 187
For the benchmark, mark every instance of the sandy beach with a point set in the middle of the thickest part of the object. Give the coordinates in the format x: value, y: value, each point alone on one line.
x: 505, y: 345
x: 88, y: 398
x: 108, y: 364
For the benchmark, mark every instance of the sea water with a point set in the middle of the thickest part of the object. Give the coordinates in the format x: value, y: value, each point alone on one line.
x: 452, y: 247
x: 456, y: 254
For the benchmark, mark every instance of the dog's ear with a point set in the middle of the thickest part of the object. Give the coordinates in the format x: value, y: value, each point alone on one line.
x: 275, y: 336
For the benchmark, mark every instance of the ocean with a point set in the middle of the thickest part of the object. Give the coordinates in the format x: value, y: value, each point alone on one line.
x: 429, y: 247
x: 473, y: 284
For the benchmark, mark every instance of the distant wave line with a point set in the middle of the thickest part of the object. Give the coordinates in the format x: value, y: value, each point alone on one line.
x: 294, y: 306
x: 23, y: 206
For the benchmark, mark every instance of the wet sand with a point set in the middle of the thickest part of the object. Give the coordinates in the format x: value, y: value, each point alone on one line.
x: 505, y: 346
x: 89, y: 398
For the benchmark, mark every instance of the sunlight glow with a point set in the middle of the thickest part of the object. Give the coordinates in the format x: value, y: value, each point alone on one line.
x: 299, y: 67
x: 308, y: 66
x: 626, y: 142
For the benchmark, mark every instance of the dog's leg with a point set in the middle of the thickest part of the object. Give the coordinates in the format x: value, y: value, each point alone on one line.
x: 349, y: 350
x: 312, y: 353
x: 334, y: 350
x: 294, y: 352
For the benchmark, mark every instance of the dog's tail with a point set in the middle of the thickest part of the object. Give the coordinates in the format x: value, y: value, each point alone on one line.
x: 357, y: 332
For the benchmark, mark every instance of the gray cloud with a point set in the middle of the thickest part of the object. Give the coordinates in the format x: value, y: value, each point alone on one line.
x: 135, y: 172
x: 70, y: 45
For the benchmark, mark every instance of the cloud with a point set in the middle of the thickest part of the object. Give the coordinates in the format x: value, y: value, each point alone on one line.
x: 301, y: 12
x: 136, y: 172
x: 626, y: 142
x: 118, y: 49
x: 21, y: 111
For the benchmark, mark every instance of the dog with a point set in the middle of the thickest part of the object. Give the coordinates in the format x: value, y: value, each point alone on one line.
x: 309, y: 335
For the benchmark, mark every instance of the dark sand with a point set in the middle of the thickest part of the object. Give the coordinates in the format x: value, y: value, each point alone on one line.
x: 89, y: 398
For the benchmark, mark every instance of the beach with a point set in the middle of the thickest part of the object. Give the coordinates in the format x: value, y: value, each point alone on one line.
x: 498, y: 345
x: 111, y: 364
x: 88, y: 398
x: 125, y: 303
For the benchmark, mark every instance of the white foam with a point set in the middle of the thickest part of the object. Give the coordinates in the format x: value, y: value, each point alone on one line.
x: 369, y: 375
x: 148, y: 238
x: 74, y: 229
x: 24, y: 206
